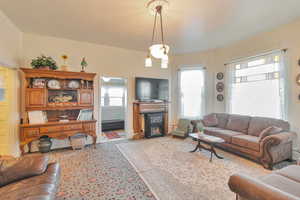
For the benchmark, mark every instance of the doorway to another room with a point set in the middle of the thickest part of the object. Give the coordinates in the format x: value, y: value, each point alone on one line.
x: 113, y: 108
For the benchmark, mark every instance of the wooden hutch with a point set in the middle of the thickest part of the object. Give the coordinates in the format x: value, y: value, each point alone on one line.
x: 65, y: 96
x: 140, y: 109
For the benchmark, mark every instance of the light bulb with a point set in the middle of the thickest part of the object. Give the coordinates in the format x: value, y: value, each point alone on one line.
x: 148, y: 62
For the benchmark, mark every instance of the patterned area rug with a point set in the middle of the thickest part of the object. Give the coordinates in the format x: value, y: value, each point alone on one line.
x: 98, y: 174
x: 176, y: 174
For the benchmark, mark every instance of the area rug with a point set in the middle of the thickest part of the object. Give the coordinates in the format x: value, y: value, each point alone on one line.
x: 98, y: 174
x: 112, y: 135
x: 173, y: 173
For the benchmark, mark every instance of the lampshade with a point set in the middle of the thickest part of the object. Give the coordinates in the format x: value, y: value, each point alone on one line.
x: 164, y: 65
x: 157, y: 50
x: 148, y: 62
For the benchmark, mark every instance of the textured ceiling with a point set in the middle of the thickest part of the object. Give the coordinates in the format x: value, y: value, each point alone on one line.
x: 190, y: 25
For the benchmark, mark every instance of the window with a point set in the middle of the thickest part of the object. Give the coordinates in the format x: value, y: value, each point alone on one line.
x: 256, y: 86
x: 191, y: 98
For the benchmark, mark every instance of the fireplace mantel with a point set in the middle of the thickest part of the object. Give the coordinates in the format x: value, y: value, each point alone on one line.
x: 142, y: 108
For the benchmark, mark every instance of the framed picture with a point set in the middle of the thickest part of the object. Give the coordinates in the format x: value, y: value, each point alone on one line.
x: 220, y: 76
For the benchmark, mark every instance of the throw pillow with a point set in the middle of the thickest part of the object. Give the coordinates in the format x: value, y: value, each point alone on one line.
x: 210, y: 120
x: 271, y: 130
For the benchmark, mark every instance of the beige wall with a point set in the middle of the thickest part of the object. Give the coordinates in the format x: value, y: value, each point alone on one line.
x: 10, y: 54
x: 10, y: 42
x: 287, y: 36
x: 104, y: 60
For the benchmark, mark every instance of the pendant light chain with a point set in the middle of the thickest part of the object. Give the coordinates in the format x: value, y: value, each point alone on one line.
x: 161, y: 27
x: 154, y: 27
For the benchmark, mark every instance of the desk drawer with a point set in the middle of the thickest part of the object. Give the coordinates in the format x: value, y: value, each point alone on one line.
x: 89, y: 126
x: 73, y: 127
x: 31, y: 132
x: 49, y: 129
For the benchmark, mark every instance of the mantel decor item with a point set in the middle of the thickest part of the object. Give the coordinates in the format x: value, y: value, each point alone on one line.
x: 64, y: 67
x: 158, y: 50
x: 44, y: 62
x: 84, y: 64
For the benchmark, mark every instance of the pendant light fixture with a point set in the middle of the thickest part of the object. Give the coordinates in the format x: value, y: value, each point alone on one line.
x: 160, y: 50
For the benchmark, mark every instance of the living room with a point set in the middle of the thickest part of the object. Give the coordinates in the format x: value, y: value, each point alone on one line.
x: 226, y: 82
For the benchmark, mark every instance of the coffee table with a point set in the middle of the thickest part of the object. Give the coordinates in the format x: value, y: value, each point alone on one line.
x: 209, y: 140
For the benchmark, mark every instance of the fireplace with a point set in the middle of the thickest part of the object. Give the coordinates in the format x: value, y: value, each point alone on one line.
x: 154, y: 124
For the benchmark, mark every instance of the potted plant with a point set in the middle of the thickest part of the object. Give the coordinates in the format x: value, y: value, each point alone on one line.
x: 44, y: 62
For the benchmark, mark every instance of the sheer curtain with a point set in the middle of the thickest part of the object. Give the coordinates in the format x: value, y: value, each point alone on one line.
x: 191, y: 92
x: 257, y: 86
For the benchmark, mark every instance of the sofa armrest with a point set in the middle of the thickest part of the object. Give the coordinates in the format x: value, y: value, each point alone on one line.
x: 254, y: 189
x: 280, y: 140
x: 24, y: 167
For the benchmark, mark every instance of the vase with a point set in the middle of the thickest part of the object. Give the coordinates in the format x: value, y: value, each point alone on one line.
x: 44, y: 67
x: 45, y: 144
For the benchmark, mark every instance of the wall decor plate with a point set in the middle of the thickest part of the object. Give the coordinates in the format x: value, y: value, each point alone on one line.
x: 74, y: 84
x: 220, y: 75
x: 39, y: 83
x: 220, y: 87
x: 298, y: 79
x: 220, y: 97
x: 53, y: 84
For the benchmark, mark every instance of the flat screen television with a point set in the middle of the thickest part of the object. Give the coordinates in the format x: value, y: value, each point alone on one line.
x: 151, y: 89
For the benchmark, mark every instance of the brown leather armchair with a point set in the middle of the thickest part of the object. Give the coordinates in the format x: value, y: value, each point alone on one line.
x: 30, y: 177
x: 282, y: 184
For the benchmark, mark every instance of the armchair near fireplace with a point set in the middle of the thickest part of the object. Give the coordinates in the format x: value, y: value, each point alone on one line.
x: 184, y: 127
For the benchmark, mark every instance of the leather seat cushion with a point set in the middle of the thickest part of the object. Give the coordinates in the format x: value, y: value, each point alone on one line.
x: 222, y: 133
x: 291, y: 172
x: 247, y: 141
x: 282, y: 183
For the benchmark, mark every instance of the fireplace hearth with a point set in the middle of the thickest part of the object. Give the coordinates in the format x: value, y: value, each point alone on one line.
x: 154, y: 124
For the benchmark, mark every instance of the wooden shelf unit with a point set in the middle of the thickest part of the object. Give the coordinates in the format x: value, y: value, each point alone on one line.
x: 141, y: 108
x: 38, y: 99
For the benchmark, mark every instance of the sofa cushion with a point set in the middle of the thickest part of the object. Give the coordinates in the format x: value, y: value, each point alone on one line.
x: 247, y: 141
x: 282, y: 183
x: 24, y: 167
x: 210, y: 120
x: 222, y: 119
x: 271, y: 130
x: 222, y: 133
x: 238, y: 123
x: 257, y: 124
x: 291, y: 172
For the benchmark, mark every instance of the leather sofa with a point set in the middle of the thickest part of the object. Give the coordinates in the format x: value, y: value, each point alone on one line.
x: 282, y: 184
x: 245, y: 135
x: 30, y: 177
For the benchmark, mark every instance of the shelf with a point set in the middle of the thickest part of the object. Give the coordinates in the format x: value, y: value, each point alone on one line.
x: 60, y: 108
x: 57, y: 123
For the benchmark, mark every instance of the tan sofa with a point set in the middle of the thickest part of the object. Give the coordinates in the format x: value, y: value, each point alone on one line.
x: 242, y: 136
x: 283, y: 184
x: 28, y: 178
